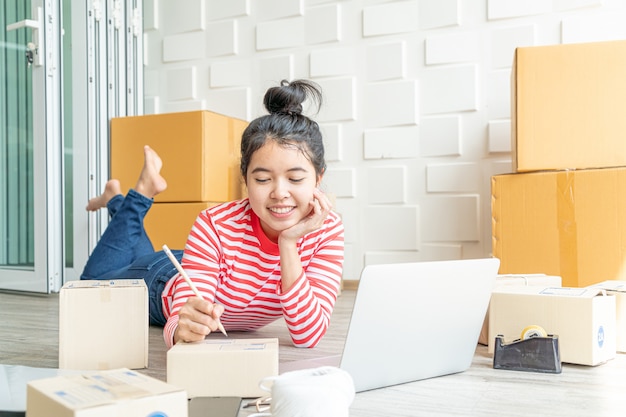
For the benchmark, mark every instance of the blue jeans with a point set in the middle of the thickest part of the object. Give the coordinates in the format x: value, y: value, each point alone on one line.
x: 125, y: 252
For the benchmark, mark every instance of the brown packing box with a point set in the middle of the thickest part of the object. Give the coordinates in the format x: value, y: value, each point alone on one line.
x: 103, y: 325
x: 583, y: 319
x: 222, y: 367
x: 112, y: 393
x: 567, y: 109
x: 170, y: 223
x: 618, y: 289
x: 200, y: 152
x: 565, y: 223
x: 519, y: 280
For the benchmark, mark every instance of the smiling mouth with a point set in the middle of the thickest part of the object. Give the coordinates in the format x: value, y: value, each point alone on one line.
x: 281, y: 210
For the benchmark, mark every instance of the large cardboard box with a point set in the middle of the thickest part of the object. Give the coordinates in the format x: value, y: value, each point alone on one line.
x: 565, y: 223
x: 200, y: 152
x: 112, y: 393
x: 567, y: 106
x: 103, y: 325
x: 170, y: 223
x: 519, y: 280
x: 618, y: 289
x: 582, y: 318
x: 222, y: 367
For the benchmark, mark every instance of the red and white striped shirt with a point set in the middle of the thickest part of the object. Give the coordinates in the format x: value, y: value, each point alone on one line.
x: 233, y: 263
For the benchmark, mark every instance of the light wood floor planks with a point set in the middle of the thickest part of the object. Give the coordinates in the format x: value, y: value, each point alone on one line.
x: 29, y: 336
x: 29, y: 333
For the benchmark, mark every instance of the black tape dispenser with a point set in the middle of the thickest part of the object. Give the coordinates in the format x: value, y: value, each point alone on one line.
x: 534, y: 351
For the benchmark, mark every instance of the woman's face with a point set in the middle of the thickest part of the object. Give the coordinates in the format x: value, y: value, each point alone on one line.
x: 280, y: 181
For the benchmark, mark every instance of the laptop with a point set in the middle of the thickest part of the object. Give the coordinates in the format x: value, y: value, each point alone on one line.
x: 413, y: 321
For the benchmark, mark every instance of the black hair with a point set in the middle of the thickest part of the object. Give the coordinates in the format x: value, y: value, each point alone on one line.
x: 286, y: 125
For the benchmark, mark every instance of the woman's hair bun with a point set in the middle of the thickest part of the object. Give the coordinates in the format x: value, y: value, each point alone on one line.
x: 289, y: 97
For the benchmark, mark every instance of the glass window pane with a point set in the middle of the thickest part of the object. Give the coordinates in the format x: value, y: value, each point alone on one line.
x: 16, y: 141
x: 68, y: 123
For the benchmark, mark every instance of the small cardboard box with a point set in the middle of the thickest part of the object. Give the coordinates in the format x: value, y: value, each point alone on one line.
x: 519, y: 280
x: 103, y: 324
x: 112, y: 393
x: 567, y: 106
x: 170, y: 223
x: 224, y: 367
x: 582, y: 318
x: 565, y: 223
x: 200, y: 151
x: 618, y: 289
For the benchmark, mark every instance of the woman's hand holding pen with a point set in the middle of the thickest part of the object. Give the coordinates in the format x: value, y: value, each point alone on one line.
x: 197, y: 318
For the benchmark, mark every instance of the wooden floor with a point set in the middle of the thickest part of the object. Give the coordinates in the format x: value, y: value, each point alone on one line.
x: 29, y: 336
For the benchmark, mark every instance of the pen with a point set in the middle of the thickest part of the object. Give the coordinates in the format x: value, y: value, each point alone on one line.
x: 178, y: 266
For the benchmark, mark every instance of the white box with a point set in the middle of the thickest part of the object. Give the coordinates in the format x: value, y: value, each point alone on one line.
x: 519, y: 280
x: 103, y: 325
x: 618, y: 289
x: 111, y: 393
x: 224, y: 367
x: 582, y: 318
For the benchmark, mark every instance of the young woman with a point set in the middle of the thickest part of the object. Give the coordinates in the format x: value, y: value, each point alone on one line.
x: 277, y: 253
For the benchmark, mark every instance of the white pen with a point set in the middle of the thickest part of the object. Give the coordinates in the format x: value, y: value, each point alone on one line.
x: 178, y: 266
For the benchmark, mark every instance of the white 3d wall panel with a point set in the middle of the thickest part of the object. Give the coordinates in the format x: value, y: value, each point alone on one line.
x: 416, y: 113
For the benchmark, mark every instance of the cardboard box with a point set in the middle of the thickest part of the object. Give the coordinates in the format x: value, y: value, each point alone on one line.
x: 200, y: 152
x: 617, y: 289
x: 103, y: 325
x: 565, y: 223
x: 112, y: 393
x: 567, y: 106
x: 170, y: 223
x: 582, y: 318
x: 222, y: 367
x: 519, y: 280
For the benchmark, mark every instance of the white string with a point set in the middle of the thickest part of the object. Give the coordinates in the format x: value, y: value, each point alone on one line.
x: 325, y: 391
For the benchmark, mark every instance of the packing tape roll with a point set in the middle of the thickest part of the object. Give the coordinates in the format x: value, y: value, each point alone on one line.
x: 533, y: 331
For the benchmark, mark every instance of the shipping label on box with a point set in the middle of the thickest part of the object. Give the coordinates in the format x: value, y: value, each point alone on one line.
x: 567, y: 223
x: 111, y: 393
x: 518, y: 280
x: 222, y: 367
x: 618, y: 289
x: 567, y: 106
x: 103, y: 324
x: 583, y: 319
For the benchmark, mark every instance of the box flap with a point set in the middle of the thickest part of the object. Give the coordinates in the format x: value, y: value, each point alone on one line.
x: 588, y: 292
x: 542, y: 280
x: 113, y: 283
x: 617, y: 286
x: 230, y: 345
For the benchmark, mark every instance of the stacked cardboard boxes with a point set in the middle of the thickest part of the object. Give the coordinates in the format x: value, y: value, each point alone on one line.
x: 561, y: 210
x: 200, y: 153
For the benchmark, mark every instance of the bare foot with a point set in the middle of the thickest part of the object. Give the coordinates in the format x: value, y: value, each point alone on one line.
x: 111, y: 189
x: 150, y: 182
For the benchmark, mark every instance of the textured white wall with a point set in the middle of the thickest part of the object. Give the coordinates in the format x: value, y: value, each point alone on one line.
x: 417, y: 112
